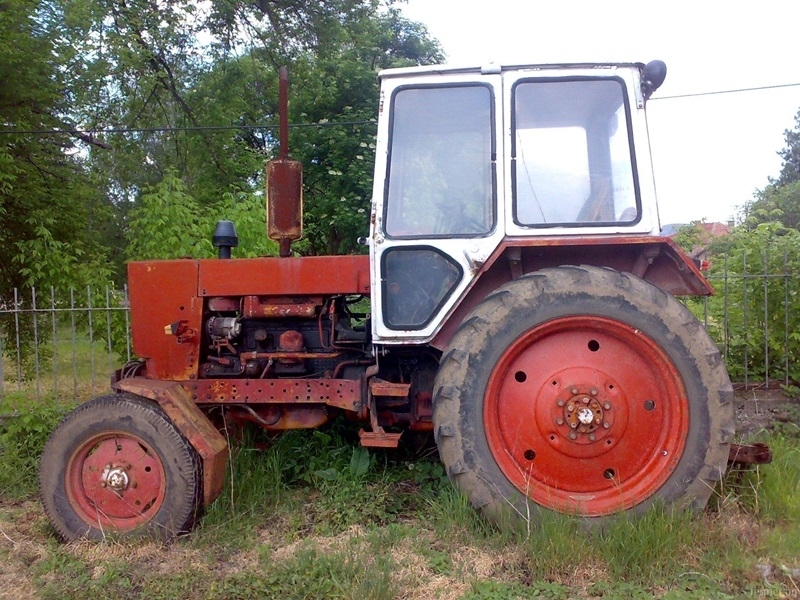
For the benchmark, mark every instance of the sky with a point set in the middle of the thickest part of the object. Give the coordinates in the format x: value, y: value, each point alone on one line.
x: 710, y: 152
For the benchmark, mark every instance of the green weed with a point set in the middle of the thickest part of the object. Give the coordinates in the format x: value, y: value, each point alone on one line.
x: 23, y: 434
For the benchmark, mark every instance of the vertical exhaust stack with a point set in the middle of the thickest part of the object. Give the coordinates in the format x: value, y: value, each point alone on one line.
x: 284, y: 183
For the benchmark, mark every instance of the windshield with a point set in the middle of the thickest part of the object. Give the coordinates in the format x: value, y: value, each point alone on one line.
x: 571, y: 155
x: 440, y: 180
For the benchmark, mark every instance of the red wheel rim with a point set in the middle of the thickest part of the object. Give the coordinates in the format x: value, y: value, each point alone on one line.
x: 586, y: 415
x: 115, y: 480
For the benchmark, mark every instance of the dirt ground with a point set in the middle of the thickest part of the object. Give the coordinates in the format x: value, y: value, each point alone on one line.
x: 759, y: 409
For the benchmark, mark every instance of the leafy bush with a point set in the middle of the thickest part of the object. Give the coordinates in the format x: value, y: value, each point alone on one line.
x: 22, y: 439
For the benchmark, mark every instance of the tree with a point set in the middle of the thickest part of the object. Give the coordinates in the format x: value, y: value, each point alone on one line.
x: 162, y: 76
x: 790, y: 170
x: 779, y: 201
x: 47, y: 204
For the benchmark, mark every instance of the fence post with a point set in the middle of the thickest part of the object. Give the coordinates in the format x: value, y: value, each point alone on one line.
x: 744, y: 315
x: 74, y: 343
x: 2, y: 376
x: 766, y: 317
x: 786, y: 315
x: 55, y: 342
x: 16, y: 331
x: 91, y: 333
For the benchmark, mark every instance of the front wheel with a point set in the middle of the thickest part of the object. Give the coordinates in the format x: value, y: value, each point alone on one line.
x: 117, y: 465
x: 584, y: 391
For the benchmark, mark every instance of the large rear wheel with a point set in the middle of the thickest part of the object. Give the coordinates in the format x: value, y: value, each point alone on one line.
x: 118, y: 466
x: 584, y: 391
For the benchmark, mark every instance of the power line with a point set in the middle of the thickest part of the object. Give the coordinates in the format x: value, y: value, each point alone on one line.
x: 736, y: 91
x: 95, y: 132
x: 320, y: 125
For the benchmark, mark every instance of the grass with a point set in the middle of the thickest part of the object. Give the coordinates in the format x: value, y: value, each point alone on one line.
x: 309, y: 514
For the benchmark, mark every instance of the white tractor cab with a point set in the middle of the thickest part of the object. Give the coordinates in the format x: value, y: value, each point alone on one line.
x: 470, y: 158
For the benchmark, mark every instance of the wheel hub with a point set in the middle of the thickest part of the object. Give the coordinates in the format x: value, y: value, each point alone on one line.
x: 115, y: 478
x: 583, y: 413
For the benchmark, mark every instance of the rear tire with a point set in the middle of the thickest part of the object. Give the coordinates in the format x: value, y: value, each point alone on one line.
x: 584, y: 391
x: 118, y: 466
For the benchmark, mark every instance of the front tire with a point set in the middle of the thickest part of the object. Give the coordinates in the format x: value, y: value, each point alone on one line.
x: 118, y: 466
x: 585, y: 391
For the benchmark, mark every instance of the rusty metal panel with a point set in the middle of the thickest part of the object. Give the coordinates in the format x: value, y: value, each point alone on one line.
x: 192, y: 423
x: 379, y: 387
x: 257, y: 306
x: 341, y: 393
x: 284, y: 201
x: 270, y: 276
x: 745, y: 455
x: 163, y: 294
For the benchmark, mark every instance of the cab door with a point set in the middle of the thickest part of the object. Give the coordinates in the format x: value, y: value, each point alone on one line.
x: 436, y: 215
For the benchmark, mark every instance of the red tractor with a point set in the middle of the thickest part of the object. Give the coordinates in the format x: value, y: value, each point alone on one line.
x: 522, y: 309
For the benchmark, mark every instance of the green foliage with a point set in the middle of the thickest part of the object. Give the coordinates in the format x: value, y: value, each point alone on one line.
x: 22, y: 438
x: 166, y: 223
x: 759, y: 300
x: 772, y: 491
x: 689, y: 237
x: 502, y: 590
x: 47, y: 203
x: 790, y: 170
x: 775, y: 203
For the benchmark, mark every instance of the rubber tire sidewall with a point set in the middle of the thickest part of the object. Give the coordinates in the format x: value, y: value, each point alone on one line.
x: 139, y: 417
x: 515, y: 308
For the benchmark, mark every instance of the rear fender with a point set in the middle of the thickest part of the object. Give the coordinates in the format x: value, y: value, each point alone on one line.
x: 657, y: 260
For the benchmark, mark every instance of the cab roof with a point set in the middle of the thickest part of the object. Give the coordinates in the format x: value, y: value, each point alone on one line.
x: 499, y: 68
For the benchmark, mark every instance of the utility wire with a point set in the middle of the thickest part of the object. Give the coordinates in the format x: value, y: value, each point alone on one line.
x: 95, y: 132
x: 736, y: 91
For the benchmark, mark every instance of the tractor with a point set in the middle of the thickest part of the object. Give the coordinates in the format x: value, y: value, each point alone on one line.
x: 517, y: 303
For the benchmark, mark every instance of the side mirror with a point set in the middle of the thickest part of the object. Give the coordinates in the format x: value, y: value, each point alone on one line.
x: 653, y: 76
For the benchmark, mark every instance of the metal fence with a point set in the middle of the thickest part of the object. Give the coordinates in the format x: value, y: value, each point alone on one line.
x: 64, y: 345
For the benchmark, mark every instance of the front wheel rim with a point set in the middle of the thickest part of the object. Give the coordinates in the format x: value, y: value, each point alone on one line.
x: 586, y: 415
x: 115, y: 480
